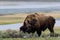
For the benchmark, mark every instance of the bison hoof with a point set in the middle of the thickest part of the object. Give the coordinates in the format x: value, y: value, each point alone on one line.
x: 54, y: 35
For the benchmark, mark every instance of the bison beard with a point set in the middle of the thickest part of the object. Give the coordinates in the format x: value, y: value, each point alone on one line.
x: 38, y: 22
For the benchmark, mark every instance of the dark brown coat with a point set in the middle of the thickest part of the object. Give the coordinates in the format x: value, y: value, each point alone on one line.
x: 38, y: 22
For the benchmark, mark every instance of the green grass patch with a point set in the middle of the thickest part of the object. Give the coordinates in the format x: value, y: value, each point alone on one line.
x: 17, y: 35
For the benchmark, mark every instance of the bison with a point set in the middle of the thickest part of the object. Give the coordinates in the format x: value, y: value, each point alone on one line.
x: 38, y: 23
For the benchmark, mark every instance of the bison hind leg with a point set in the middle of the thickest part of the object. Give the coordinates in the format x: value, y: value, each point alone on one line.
x: 51, y: 31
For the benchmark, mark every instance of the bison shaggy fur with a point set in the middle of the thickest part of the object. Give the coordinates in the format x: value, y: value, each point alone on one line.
x: 38, y: 23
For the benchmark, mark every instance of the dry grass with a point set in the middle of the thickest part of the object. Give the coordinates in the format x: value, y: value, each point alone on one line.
x: 15, y: 18
x: 23, y: 15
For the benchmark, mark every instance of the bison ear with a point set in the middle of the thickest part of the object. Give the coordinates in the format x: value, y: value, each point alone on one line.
x: 32, y: 22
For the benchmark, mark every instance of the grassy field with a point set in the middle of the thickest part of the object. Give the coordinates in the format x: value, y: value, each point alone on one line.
x: 57, y: 30
x: 18, y: 18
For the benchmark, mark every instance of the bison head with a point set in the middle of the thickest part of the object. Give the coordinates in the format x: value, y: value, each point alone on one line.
x: 27, y: 29
x: 29, y: 23
x: 23, y: 28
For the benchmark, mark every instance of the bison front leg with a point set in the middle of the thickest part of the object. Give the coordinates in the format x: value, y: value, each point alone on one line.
x: 39, y: 33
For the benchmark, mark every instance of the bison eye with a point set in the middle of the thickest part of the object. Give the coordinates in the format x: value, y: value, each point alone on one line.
x: 32, y: 22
